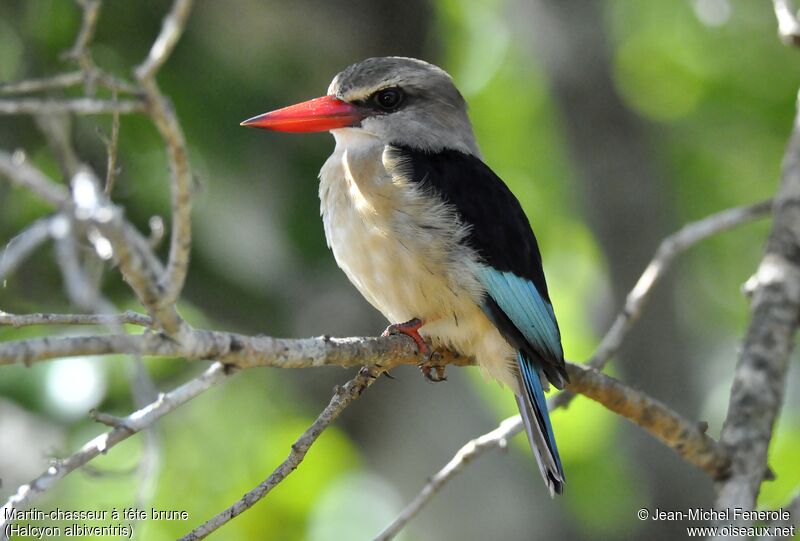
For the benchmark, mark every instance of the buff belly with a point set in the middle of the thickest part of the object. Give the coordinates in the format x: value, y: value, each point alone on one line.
x: 402, y: 251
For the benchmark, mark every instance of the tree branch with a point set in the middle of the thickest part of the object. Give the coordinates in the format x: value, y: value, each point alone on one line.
x: 79, y: 106
x: 163, y: 115
x: 20, y: 172
x: 342, y: 397
x: 172, y: 28
x: 22, y: 246
x: 672, y: 246
x: 139, y: 265
x: 230, y: 348
x: 496, y: 439
x: 62, y: 80
x: 687, y: 439
x: 91, y: 13
x: 133, y: 423
x: 26, y: 320
x: 760, y: 376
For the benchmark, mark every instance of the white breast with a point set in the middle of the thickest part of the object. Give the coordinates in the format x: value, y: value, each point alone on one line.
x: 403, y: 249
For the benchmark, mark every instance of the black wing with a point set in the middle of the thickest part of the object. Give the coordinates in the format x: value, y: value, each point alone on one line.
x: 500, y: 233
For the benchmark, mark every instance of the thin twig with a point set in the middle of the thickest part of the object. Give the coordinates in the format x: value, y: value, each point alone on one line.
x: 171, y: 30
x: 139, y: 265
x: 79, y: 106
x: 496, y: 439
x: 62, y: 80
x: 131, y: 424
x: 81, y: 291
x: 66, y: 80
x: 22, y: 246
x: 91, y: 13
x: 112, y: 145
x: 687, y: 439
x: 163, y: 115
x: 342, y: 397
x: 231, y: 348
x: 19, y: 171
x: 80, y: 52
x: 686, y: 237
x: 26, y: 320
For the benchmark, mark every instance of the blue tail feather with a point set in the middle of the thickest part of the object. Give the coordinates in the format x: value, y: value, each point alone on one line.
x: 533, y: 407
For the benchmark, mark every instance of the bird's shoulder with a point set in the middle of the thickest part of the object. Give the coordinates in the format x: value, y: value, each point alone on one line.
x: 498, y: 228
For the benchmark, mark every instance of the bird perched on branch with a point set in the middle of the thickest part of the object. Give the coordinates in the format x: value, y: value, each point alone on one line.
x: 430, y: 235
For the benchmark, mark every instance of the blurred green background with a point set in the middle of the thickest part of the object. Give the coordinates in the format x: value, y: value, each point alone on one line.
x: 614, y: 123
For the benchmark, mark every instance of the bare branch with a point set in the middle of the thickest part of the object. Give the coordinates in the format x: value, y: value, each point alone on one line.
x: 167, y: 123
x: 760, y: 377
x: 788, y: 26
x: 19, y: 171
x: 22, y: 246
x: 139, y: 265
x: 496, y: 439
x: 231, y: 348
x: 66, y: 80
x: 128, y: 426
x: 672, y: 246
x: 171, y: 30
x: 81, y: 291
x: 168, y: 126
x: 26, y: 320
x: 91, y: 13
x: 158, y: 290
x: 342, y: 397
x: 687, y: 439
x: 112, y: 144
x: 79, y: 106
x: 62, y: 80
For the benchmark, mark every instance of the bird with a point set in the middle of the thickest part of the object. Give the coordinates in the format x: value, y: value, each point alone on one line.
x: 430, y: 235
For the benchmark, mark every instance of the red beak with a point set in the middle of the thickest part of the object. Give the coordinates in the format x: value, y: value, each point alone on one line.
x: 320, y: 114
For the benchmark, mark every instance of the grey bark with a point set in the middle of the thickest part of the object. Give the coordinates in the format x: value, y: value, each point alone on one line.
x: 759, y: 382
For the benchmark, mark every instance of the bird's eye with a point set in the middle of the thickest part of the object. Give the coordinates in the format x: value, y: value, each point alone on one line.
x: 389, y: 99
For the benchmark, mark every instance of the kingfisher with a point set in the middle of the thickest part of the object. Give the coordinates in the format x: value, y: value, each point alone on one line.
x: 430, y: 235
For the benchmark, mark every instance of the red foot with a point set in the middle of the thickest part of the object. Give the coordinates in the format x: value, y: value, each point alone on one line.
x: 410, y: 328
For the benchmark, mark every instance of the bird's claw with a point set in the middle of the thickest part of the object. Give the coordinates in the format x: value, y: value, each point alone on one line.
x: 433, y: 372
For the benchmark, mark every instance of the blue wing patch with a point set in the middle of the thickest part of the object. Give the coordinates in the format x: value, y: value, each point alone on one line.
x: 527, y: 320
x: 533, y: 316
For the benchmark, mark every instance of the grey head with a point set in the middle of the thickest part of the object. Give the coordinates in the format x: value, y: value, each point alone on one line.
x: 408, y: 102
